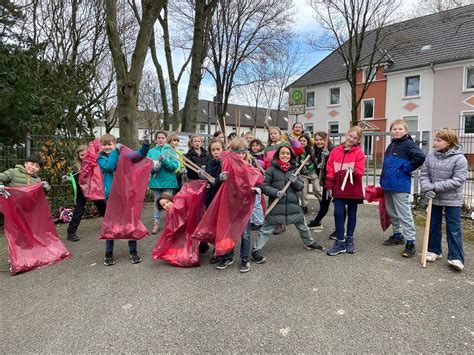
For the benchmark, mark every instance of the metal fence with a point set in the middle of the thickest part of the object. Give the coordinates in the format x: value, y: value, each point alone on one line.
x: 58, y: 154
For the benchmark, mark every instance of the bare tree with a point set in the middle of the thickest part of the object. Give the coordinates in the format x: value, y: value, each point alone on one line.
x: 356, y: 31
x: 425, y: 7
x: 128, y: 77
x: 241, y: 31
x: 149, y: 102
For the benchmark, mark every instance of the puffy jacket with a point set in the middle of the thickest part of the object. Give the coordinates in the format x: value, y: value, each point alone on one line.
x: 445, y: 173
x: 200, y: 160
x: 402, y: 157
x: 166, y: 176
x: 287, y: 210
x: 18, y: 176
x: 108, y: 164
x: 336, y: 168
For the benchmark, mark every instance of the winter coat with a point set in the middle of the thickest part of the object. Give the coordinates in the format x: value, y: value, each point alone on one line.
x: 199, y: 160
x: 165, y: 178
x: 401, y: 158
x: 213, y: 168
x: 270, y: 151
x: 18, y: 176
x: 339, y: 160
x: 287, y: 210
x: 108, y: 164
x: 445, y: 173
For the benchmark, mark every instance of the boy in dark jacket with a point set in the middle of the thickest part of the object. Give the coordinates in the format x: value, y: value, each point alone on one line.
x: 402, y: 157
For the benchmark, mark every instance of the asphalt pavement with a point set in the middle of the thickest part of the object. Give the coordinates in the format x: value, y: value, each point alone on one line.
x: 298, y: 301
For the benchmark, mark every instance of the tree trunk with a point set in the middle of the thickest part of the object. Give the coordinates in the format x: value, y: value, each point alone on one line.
x: 128, y: 115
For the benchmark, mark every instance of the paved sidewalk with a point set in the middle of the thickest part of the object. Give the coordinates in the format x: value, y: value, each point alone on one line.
x: 299, y: 301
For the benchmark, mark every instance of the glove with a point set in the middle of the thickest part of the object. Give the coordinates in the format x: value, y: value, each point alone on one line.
x: 328, y: 194
x: 320, y: 166
x: 46, y: 186
x: 427, y: 187
x: 156, y: 166
x: 161, y: 158
x: 281, y: 194
x: 65, y: 178
x: 146, y: 138
x: 3, y: 192
x: 430, y: 194
x: 293, y: 178
x: 325, y: 153
x: 202, y: 174
x: 223, y: 176
x: 182, y: 171
x: 257, y: 190
x: 118, y: 146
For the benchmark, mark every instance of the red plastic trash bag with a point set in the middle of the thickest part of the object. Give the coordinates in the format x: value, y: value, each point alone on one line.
x: 175, y: 244
x: 230, y: 211
x: 374, y: 194
x: 33, y: 241
x: 91, y: 181
x: 125, y: 203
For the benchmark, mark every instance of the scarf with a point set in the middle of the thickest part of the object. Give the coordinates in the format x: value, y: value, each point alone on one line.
x: 283, y: 166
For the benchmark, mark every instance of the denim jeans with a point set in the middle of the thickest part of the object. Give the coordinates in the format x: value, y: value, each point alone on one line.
x: 156, y: 194
x: 244, y: 245
x: 340, y: 214
x: 267, y: 230
x: 109, y: 246
x: 453, y: 232
x: 257, y: 217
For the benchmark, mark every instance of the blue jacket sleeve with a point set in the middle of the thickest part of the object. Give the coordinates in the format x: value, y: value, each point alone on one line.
x: 143, y: 151
x: 170, y: 163
x: 108, y: 163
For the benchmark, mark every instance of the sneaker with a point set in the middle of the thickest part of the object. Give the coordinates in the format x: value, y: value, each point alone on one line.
x: 135, y: 259
x: 332, y: 236
x: 280, y: 229
x: 203, y: 247
x: 409, y: 251
x: 256, y: 227
x: 244, y: 266
x: 433, y: 256
x: 313, y: 225
x: 350, y: 247
x: 257, y: 257
x: 338, y: 248
x: 314, y: 246
x: 394, y: 240
x: 456, y: 264
x: 73, y: 238
x: 305, y: 209
x: 156, y: 227
x: 109, y: 259
x: 224, y: 263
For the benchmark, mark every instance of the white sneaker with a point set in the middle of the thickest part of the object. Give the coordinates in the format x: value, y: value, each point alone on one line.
x: 457, y: 264
x: 433, y: 256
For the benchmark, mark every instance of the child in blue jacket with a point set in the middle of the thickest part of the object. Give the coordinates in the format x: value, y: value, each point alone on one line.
x: 107, y: 160
x: 402, y: 157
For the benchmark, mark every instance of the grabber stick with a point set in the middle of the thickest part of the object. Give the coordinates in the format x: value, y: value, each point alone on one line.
x: 183, y: 158
x: 323, y: 159
x: 426, y: 237
x: 274, y: 203
x: 193, y: 168
x: 344, y: 182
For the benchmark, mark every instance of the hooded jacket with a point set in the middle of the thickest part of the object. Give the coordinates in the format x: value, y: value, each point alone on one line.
x: 339, y: 160
x: 199, y: 160
x: 445, y: 173
x: 402, y: 157
x: 165, y: 178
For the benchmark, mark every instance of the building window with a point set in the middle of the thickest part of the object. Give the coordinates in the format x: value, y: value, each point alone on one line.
x: 469, y: 79
x: 333, y: 127
x: 334, y: 96
x: 309, y: 127
x: 467, y: 123
x: 412, y: 86
x: 369, y: 75
x: 412, y: 123
x: 368, y: 108
x: 368, y: 146
x: 310, y: 99
x: 202, y: 128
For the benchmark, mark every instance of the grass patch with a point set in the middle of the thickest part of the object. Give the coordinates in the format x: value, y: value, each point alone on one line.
x: 467, y: 225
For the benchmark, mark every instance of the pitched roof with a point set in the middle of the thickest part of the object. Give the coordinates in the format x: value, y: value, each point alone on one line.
x: 445, y: 37
x: 232, y: 109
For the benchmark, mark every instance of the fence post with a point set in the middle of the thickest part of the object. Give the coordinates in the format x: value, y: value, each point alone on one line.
x: 28, y: 145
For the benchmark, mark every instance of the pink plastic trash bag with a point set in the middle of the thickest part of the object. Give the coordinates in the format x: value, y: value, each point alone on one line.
x: 374, y: 194
x: 33, y: 241
x: 230, y: 211
x: 175, y: 245
x: 125, y: 203
x: 91, y: 181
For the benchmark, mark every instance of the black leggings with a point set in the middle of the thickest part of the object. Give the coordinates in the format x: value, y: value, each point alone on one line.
x: 323, y: 207
x: 79, y: 211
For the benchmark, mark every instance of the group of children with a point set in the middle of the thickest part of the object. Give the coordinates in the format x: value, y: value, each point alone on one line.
x: 334, y: 172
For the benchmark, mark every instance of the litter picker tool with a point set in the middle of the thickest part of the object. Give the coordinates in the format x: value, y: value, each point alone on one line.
x: 426, y: 237
x: 193, y: 168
